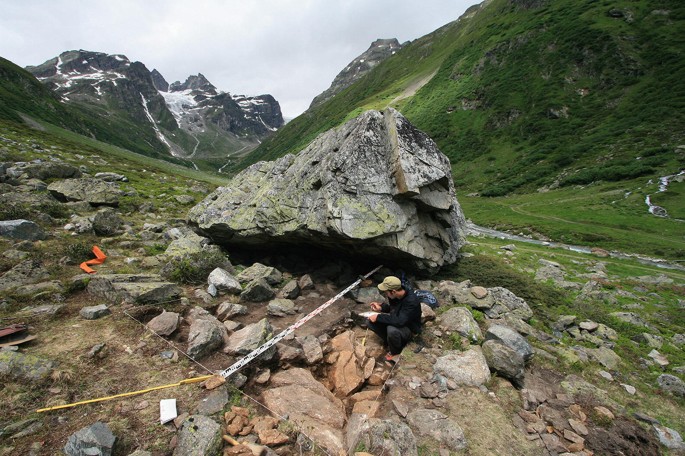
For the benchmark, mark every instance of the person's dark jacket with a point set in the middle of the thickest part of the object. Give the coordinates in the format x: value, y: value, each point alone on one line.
x: 402, y: 312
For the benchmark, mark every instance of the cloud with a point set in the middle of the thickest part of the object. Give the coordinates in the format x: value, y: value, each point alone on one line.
x: 290, y: 49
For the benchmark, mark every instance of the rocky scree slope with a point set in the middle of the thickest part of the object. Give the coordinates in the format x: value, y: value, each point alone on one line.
x: 346, y: 400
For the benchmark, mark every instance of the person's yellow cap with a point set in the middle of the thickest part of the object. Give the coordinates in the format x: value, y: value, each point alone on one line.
x: 390, y: 283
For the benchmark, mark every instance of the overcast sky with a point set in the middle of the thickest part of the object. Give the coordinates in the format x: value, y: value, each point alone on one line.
x: 291, y: 49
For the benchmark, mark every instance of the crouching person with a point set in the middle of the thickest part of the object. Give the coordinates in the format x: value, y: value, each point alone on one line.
x: 398, y: 319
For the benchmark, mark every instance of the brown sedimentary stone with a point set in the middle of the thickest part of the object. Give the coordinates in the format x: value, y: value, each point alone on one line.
x: 346, y: 375
x: 368, y: 408
x: 272, y: 437
x: 479, y: 292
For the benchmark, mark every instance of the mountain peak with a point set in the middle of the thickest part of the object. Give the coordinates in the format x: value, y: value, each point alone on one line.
x: 198, y: 83
x: 379, y: 50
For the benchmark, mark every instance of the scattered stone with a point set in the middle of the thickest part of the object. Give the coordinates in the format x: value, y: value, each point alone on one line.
x: 214, y: 402
x: 311, y: 349
x: 94, y: 312
x: 511, y: 339
x: 629, y: 389
x: 258, y: 290
x: 504, y: 360
x: 250, y: 338
x: 281, y: 307
x: 671, y: 384
x: 165, y: 323
x: 96, y: 439
x: 199, y: 435
x: 24, y: 367
x: 98, y: 351
x: 658, y: 358
x: 290, y: 290
x: 228, y: 310
x: 668, y: 437
x: 439, y: 427
x: 606, y: 375
x: 21, y: 229
x: 479, y: 292
x: 224, y: 282
x: 380, y: 436
x: 604, y: 412
x: 465, y: 368
x: 206, y: 335
x: 461, y: 320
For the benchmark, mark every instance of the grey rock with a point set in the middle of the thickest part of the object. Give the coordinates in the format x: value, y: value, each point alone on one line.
x: 24, y: 367
x: 281, y: 307
x: 249, y: 338
x: 107, y: 222
x: 400, y: 204
x: 133, y: 288
x: 290, y: 290
x: 205, y: 335
x: 461, y: 320
x: 511, y: 339
x: 111, y: 177
x: 604, y: 356
x: 214, y: 403
x: 380, y: 436
x: 228, y: 310
x: 257, y: 291
x: 465, y: 368
x: 629, y: 317
x: 224, y: 281
x: 25, y: 230
x: 259, y: 271
x: 93, y: 191
x: 50, y: 170
x: 507, y: 304
x: 165, y: 323
x: 311, y: 349
x: 671, y: 384
x: 199, y: 436
x: 96, y: 440
x: 305, y: 282
x: 670, y: 438
x: 24, y: 273
x: 504, y: 360
x: 94, y: 312
x: 40, y: 290
x: 439, y: 427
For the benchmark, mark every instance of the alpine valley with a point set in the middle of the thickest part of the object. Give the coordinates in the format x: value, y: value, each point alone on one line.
x: 193, y: 121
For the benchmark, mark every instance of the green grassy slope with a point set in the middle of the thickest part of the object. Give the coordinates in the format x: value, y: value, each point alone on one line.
x: 566, y: 93
x: 581, y: 99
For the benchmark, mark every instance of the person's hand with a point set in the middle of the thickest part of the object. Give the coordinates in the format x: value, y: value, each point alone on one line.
x: 372, y: 318
x: 376, y: 306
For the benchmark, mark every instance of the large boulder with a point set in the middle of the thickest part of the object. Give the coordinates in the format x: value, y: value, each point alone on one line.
x: 93, y: 191
x: 374, y: 187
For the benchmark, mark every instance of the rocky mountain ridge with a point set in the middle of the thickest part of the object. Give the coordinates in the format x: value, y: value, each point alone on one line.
x: 190, y: 120
x: 379, y: 50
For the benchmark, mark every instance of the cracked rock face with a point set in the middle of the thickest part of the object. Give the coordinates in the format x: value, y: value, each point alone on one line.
x: 376, y: 188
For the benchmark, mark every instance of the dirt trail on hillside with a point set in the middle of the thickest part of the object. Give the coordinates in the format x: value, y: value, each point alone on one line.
x: 412, y: 88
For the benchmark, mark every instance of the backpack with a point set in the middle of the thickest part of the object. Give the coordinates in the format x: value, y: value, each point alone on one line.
x: 424, y: 296
x: 427, y: 297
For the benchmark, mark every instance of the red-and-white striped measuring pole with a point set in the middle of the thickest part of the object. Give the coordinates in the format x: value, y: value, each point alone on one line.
x: 289, y: 330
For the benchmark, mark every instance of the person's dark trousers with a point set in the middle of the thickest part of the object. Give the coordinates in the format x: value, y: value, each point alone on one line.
x: 396, y: 338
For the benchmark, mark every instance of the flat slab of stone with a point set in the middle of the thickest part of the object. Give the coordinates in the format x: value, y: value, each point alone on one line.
x: 136, y: 289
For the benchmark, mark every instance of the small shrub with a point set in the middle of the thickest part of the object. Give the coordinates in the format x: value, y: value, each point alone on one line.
x: 193, y: 268
x: 77, y: 252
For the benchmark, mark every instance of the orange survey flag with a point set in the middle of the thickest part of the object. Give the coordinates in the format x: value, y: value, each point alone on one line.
x: 99, y: 259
